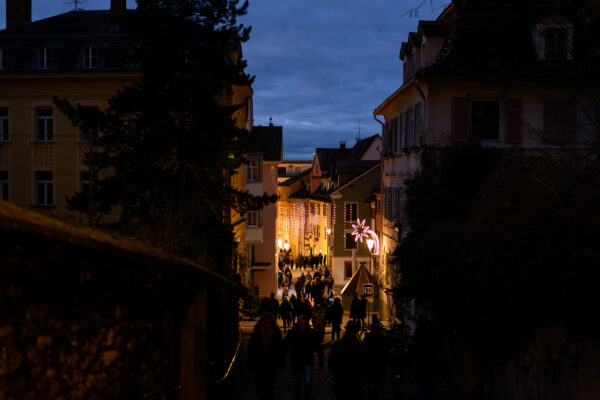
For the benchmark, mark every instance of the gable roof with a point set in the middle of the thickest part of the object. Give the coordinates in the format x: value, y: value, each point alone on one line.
x: 359, y: 278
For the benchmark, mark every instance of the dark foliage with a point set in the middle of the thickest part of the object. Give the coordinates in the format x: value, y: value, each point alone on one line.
x: 502, y: 242
x: 169, y: 142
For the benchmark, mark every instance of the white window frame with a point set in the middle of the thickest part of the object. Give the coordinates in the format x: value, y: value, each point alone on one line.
x: 45, y: 58
x: 46, y: 186
x: 4, y: 125
x: 90, y: 57
x: 253, y: 219
x: 4, y: 185
x: 47, y: 125
x: 253, y: 170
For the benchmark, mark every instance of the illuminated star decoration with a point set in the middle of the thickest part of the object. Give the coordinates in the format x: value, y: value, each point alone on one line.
x: 360, y: 230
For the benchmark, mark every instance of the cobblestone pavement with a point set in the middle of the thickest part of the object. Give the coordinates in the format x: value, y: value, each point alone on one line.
x: 240, y: 385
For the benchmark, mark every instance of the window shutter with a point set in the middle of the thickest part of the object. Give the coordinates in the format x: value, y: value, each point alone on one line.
x: 394, y: 135
x: 384, y: 134
x: 460, y: 120
x: 514, y: 126
x: 419, y: 125
x: 401, y: 141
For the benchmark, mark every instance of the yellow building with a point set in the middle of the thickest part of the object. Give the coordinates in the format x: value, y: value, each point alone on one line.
x: 78, y: 55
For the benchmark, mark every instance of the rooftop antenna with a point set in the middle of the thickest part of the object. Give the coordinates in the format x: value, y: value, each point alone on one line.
x: 270, y: 121
x: 76, y: 4
x: 358, y: 128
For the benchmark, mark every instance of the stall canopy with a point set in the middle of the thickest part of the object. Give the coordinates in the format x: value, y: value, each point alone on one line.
x: 357, y: 282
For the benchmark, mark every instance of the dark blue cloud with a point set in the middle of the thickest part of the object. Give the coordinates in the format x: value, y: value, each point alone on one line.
x: 321, y: 66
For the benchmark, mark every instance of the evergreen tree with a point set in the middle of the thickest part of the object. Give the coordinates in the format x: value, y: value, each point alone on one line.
x: 169, y: 143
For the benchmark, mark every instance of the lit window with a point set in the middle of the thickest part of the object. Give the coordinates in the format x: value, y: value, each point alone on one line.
x: 3, y: 124
x: 4, y: 185
x: 253, y: 219
x: 44, y: 124
x: 253, y: 171
x: 44, y: 188
x: 45, y: 58
x: 90, y: 57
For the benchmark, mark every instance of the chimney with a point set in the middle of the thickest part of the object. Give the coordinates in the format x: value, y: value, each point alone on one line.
x: 17, y: 12
x: 342, y: 145
x: 118, y: 7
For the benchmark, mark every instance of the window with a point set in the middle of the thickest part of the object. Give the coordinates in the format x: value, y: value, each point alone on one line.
x: 3, y: 124
x: 45, y: 58
x: 253, y: 171
x: 3, y: 59
x: 84, y: 182
x: 88, y: 130
x: 485, y: 120
x: 556, y: 44
x: 44, y: 124
x: 350, y: 212
x: 318, y: 234
x: 347, y: 269
x: 281, y: 171
x: 44, y: 188
x: 349, y: 242
x: 253, y: 219
x: 90, y: 57
x: 4, y: 185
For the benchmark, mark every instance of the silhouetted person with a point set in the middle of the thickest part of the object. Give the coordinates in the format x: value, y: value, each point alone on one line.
x: 265, y: 353
x: 426, y: 343
x: 303, y: 343
x: 355, y: 309
x: 274, y: 303
x: 336, y: 313
x: 286, y: 310
x: 346, y: 363
x: 363, y: 311
x: 377, y: 350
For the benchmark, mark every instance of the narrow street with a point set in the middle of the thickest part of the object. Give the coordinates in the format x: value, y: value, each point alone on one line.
x: 240, y: 385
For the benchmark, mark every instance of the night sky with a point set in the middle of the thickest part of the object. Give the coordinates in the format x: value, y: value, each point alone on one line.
x: 320, y: 66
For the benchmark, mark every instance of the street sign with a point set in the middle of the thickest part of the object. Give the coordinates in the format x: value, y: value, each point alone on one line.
x: 368, y: 291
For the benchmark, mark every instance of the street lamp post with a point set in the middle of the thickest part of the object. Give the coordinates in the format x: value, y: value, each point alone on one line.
x: 370, y: 243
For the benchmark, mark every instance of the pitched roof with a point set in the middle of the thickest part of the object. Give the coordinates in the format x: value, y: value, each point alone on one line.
x: 328, y: 156
x: 296, y: 177
x: 361, y: 147
x: 354, y: 166
x: 359, y: 278
x: 68, y: 24
x: 493, y: 40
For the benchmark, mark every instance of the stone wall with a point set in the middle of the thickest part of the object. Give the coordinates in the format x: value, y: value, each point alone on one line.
x: 91, y: 323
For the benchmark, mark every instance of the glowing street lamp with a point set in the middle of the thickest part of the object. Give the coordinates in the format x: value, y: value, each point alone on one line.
x: 328, y: 231
x: 286, y: 246
x: 279, y: 243
x: 370, y: 243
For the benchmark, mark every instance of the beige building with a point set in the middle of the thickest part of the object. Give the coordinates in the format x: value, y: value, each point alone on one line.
x: 470, y: 77
x: 77, y: 55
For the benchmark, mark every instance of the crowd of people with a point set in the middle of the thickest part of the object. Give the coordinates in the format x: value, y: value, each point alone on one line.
x: 352, y: 362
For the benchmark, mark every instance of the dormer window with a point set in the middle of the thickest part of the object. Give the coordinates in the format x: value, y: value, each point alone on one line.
x: 556, y: 44
x: 90, y: 57
x: 553, y: 38
x: 45, y: 58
